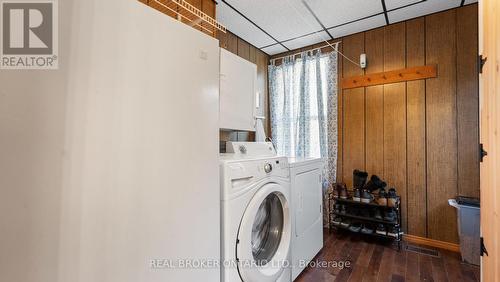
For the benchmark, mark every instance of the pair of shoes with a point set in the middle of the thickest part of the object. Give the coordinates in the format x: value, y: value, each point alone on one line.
x: 364, y: 212
x: 393, y: 231
x: 337, y: 220
x: 375, y: 184
x: 390, y: 231
x: 345, y: 223
x: 339, y: 189
x: 367, y: 229
x: 355, y: 227
x: 387, y: 198
x: 377, y: 214
x: 390, y: 215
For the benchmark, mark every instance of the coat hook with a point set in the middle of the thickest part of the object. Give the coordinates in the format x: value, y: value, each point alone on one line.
x: 384, y: 77
x: 400, y: 75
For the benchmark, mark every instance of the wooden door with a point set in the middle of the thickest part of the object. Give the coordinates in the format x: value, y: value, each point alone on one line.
x: 490, y: 130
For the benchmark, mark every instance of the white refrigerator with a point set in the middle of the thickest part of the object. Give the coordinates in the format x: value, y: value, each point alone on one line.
x: 122, y: 152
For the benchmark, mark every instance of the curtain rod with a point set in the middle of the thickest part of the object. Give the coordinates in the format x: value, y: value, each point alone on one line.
x: 310, y: 50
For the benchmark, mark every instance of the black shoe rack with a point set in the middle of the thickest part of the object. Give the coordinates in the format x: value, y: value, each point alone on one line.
x: 354, y: 210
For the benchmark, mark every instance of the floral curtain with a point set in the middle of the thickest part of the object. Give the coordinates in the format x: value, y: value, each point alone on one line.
x: 303, y: 96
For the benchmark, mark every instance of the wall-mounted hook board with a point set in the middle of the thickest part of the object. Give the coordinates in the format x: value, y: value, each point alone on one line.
x: 413, y: 73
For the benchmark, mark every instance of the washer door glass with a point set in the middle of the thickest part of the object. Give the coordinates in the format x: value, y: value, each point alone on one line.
x: 267, y: 229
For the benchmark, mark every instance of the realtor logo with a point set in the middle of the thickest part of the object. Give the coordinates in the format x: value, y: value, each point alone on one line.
x: 29, y: 34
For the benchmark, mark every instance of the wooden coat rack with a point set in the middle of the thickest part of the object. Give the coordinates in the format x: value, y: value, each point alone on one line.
x: 413, y: 73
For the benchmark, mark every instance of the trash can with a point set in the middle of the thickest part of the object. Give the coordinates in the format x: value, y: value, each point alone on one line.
x: 468, y: 213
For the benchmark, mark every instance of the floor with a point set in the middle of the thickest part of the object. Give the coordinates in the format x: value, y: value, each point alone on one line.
x: 373, y: 260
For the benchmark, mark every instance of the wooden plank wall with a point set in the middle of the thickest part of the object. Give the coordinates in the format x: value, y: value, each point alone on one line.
x: 420, y: 136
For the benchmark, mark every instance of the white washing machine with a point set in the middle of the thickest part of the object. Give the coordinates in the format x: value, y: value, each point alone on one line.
x: 306, y: 179
x: 256, y: 216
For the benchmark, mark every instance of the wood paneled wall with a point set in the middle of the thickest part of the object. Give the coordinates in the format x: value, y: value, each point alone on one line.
x: 420, y: 136
x: 240, y: 47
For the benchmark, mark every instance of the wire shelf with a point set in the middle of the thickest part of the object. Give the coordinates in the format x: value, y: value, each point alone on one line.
x: 191, y: 15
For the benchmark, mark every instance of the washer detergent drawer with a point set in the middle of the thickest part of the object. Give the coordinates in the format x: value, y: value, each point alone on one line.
x: 307, y: 199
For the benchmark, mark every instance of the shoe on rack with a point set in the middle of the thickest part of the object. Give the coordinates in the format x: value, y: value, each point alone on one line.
x: 382, y: 197
x: 375, y: 184
x: 366, y: 197
x: 393, y: 231
x: 343, y: 209
x: 335, y: 191
x: 343, y: 192
x: 381, y: 230
x: 356, y: 195
x: 392, y: 197
x: 359, y: 179
x: 337, y: 220
x: 378, y: 214
x: 367, y: 229
x: 355, y: 227
x: 336, y: 208
x: 390, y: 215
x: 364, y: 212
x: 345, y: 223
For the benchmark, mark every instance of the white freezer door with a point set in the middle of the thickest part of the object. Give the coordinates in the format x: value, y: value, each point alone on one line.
x: 238, y: 78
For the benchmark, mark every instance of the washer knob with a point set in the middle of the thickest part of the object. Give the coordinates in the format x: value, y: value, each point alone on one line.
x: 268, y: 168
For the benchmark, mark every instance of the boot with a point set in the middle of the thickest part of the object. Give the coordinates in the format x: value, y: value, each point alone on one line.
x: 359, y: 179
x: 382, y: 197
x: 374, y: 184
x: 392, y: 198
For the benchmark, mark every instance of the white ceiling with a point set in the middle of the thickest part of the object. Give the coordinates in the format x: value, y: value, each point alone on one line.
x: 277, y: 25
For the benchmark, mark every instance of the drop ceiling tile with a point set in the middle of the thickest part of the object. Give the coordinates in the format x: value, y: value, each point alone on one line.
x: 307, y: 40
x: 421, y: 9
x: 394, y: 4
x: 333, y: 13
x: 274, y: 49
x: 470, y: 1
x: 358, y: 26
x: 241, y: 27
x: 282, y: 19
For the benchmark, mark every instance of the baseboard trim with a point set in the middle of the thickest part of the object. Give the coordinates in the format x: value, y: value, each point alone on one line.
x: 431, y: 243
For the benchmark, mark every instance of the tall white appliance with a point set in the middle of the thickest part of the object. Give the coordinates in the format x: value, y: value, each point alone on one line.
x: 307, y: 211
x: 121, y: 178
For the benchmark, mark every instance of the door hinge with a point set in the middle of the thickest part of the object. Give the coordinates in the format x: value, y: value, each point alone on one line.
x: 483, y: 248
x: 482, y: 152
x: 480, y: 62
